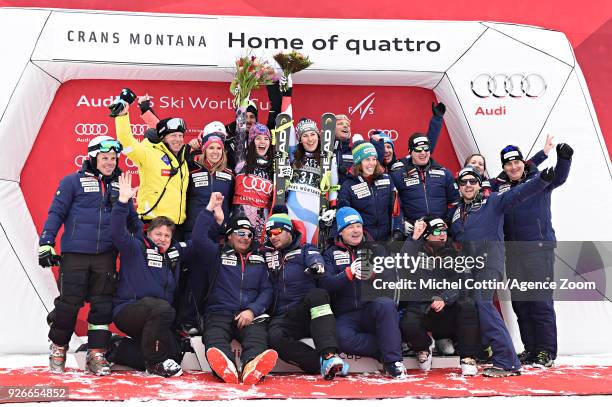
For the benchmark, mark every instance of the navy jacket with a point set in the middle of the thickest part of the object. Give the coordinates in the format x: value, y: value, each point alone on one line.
x: 348, y: 294
x: 478, y: 226
x: 427, y: 192
x: 201, y: 185
x: 237, y: 282
x: 531, y: 220
x: 375, y: 203
x: 286, y: 268
x: 146, y: 271
x: 83, y: 203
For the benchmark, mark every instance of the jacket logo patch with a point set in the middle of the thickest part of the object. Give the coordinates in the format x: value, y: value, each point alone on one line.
x: 203, y: 183
x: 153, y: 263
x: 292, y: 254
x: 173, y: 254
x: 342, y: 258
x: 91, y: 189
x: 412, y: 181
x: 255, y: 258
x: 385, y: 181
x: 347, y: 157
x: 437, y: 172
x: 503, y: 188
x: 166, y: 159
x: 223, y: 175
x: 361, y: 190
x: 272, y: 260
x: 228, y: 262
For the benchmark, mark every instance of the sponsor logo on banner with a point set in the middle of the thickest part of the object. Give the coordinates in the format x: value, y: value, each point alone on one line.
x: 257, y: 184
x: 363, y: 107
x: 91, y: 129
x: 391, y: 133
x: 139, y: 129
x: 494, y: 111
x: 516, y: 85
x: 79, y: 160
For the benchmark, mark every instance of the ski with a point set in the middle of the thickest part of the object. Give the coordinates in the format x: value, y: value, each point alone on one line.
x: 282, y: 166
x: 328, y: 129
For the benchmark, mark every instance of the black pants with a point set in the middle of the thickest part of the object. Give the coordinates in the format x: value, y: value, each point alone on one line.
x: 149, y: 321
x: 458, y: 320
x: 84, y: 277
x: 220, y: 329
x: 311, y: 317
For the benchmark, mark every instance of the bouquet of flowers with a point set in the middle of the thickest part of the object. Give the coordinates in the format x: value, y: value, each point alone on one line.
x: 251, y: 73
x: 290, y: 63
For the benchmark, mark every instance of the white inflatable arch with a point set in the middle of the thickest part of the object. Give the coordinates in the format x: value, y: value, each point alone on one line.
x: 502, y: 84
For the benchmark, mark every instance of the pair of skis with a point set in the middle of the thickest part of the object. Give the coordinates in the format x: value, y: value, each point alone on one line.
x: 282, y: 166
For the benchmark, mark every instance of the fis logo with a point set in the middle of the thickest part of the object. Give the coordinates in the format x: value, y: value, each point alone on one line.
x: 364, y: 107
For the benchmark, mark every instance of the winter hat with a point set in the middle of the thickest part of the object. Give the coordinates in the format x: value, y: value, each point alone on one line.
x: 363, y: 150
x: 252, y: 108
x: 170, y: 125
x: 214, y: 127
x: 305, y: 125
x: 347, y: 216
x: 258, y: 129
x: 433, y: 224
x: 211, y: 139
x: 510, y: 153
x: 417, y: 140
x: 279, y: 219
x: 239, y: 222
x: 469, y: 170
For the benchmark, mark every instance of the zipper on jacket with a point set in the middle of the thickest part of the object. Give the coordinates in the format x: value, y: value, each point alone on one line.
x: 102, y: 191
x: 241, y: 281
x: 424, y: 191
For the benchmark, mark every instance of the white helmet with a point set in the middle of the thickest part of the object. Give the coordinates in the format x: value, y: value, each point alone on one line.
x: 214, y: 127
x: 103, y: 144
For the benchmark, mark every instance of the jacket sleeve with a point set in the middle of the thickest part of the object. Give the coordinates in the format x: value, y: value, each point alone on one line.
x: 452, y: 193
x: 135, y: 225
x: 121, y: 237
x: 508, y: 199
x: 380, y: 150
x: 538, y: 158
x: 264, y: 299
x: 333, y: 279
x: 562, y: 170
x: 344, y: 195
x: 201, y: 243
x: 311, y: 255
x: 131, y: 147
x: 58, y: 211
x: 433, y: 132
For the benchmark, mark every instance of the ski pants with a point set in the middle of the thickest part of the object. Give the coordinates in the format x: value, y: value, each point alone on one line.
x: 220, y: 329
x: 149, y: 321
x: 84, y: 277
x: 535, y: 311
x: 311, y: 317
x: 459, y: 320
x: 371, y: 331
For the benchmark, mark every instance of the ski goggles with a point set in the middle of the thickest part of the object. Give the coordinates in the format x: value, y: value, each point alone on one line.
x: 464, y: 181
x: 421, y: 149
x: 438, y: 232
x: 107, y: 145
x: 243, y: 233
x: 275, y: 232
x: 175, y: 124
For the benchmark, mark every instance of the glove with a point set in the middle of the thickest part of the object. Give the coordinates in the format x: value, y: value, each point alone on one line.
x: 564, y: 151
x: 328, y: 216
x: 286, y: 84
x: 117, y: 107
x: 397, y: 236
x: 127, y: 95
x: 316, y: 270
x: 144, y: 106
x: 356, y: 270
x: 408, y: 228
x: 47, y: 256
x: 548, y: 174
x: 439, y: 109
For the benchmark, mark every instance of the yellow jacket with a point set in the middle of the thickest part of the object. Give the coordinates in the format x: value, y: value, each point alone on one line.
x: 155, y: 162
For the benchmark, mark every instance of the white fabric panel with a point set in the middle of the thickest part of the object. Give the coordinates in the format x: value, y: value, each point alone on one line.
x: 26, y: 288
x: 24, y: 25
x: 570, y: 121
x: 552, y: 42
x: 23, y: 118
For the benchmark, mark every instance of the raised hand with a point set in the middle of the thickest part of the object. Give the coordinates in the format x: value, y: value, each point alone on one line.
x: 549, y: 144
x: 126, y: 192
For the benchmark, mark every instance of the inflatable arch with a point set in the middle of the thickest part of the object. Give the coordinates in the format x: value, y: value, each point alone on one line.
x: 501, y: 83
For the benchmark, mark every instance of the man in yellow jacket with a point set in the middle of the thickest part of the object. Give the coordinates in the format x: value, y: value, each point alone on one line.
x: 162, y: 167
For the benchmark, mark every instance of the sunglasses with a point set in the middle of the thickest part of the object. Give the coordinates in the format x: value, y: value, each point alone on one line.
x: 275, y: 232
x: 471, y: 181
x: 438, y: 232
x: 243, y: 233
x: 421, y: 149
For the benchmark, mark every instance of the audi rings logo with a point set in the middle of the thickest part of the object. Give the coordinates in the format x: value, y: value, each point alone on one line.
x: 515, y: 85
x: 139, y: 129
x: 79, y: 160
x: 257, y: 184
x: 392, y: 134
x: 91, y: 129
